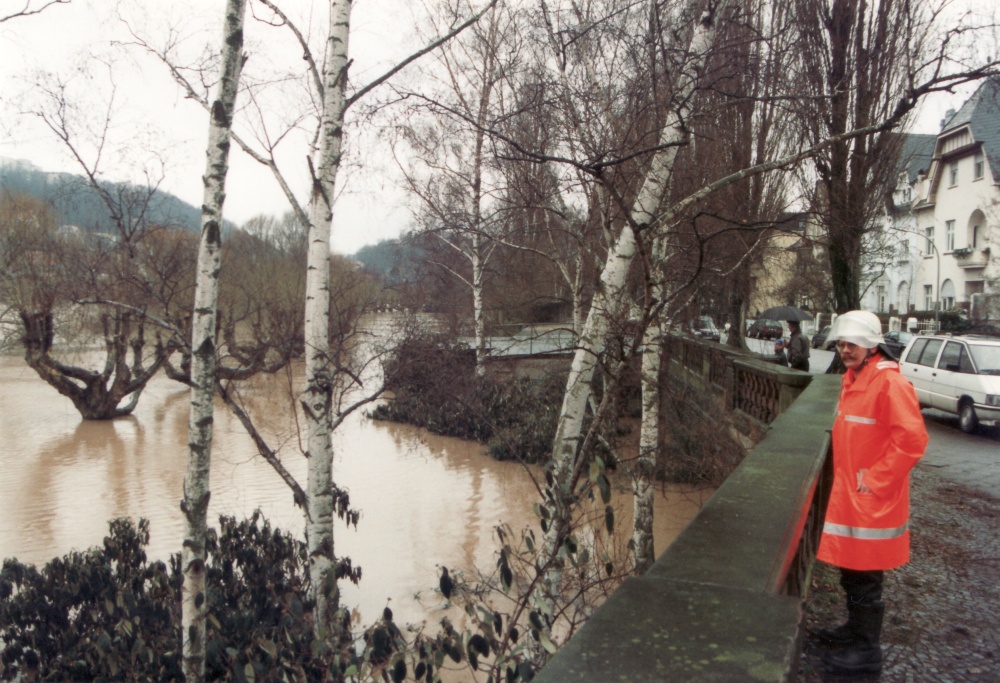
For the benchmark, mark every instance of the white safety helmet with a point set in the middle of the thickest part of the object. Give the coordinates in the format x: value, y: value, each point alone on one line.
x: 858, y: 327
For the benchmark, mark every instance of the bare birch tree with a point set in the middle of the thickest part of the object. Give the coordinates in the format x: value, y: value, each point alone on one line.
x: 328, y: 83
x: 197, y: 489
x: 568, y: 453
x: 735, y: 120
x: 451, y: 171
x: 316, y: 401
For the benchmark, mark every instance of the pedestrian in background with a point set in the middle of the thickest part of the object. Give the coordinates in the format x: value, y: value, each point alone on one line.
x: 878, y: 437
x: 798, y: 347
x: 779, y: 352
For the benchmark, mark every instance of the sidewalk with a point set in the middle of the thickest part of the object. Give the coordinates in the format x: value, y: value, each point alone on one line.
x: 943, y: 619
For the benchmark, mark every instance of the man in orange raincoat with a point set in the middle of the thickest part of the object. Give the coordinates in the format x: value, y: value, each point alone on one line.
x: 878, y: 436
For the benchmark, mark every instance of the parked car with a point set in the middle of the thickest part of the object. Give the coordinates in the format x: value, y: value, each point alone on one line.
x: 959, y: 375
x: 705, y: 328
x: 896, y: 341
x: 765, y: 329
x: 819, y: 340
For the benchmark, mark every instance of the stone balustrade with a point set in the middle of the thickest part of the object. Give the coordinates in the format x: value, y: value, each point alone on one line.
x: 724, y: 601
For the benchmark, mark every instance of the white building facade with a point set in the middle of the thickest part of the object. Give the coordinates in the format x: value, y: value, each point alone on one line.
x: 894, y: 255
x: 945, y: 229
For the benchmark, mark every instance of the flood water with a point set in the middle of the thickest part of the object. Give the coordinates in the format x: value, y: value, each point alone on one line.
x: 425, y: 500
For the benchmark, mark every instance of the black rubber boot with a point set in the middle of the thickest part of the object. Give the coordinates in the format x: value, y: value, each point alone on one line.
x: 863, y: 655
x: 843, y: 635
x: 839, y: 636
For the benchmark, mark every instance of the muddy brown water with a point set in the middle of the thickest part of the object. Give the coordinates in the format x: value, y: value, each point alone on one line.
x: 425, y: 500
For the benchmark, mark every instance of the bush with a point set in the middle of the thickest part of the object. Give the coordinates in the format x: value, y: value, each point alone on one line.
x: 432, y: 383
x: 952, y: 321
x: 526, y: 415
x: 100, y: 614
x: 435, y: 386
x: 108, y: 614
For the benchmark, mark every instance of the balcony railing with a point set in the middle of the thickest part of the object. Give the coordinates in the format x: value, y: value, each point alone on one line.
x: 972, y: 258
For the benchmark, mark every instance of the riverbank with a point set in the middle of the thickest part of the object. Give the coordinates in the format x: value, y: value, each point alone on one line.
x: 942, y: 624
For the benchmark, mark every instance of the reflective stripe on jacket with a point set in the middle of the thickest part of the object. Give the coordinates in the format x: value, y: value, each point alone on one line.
x: 878, y: 437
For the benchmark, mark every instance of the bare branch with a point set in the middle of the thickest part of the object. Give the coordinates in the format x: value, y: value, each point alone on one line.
x: 417, y: 55
x: 28, y: 10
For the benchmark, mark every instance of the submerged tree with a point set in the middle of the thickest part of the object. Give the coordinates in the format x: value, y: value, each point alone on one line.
x: 69, y: 288
x: 120, y: 281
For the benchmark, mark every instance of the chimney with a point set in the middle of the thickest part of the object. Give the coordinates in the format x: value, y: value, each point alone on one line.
x: 947, y: 117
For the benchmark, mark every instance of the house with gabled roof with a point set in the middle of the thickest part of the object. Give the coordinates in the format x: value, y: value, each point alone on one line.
x: 957, y: 209
x: 892, y: 253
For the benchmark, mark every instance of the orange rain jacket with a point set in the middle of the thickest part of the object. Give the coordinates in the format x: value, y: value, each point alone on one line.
x: 878, y: 436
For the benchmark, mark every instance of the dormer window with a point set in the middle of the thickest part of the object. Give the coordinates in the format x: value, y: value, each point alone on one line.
x: 979, y: 165
x: 953, y: 174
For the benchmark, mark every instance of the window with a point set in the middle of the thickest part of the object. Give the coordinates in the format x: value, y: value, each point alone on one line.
x: 987, y: 357
x: 947, y: 295
x: 955, y: 358
x: 953, y: 174
x: 928, y: 298
x: 949, y: 235
x: 930, y: 352
x: 974, y: 242
x: 929, y: 234
x: 979, y: 165
x: 904, y: 251
x: 903, y: 297
x: 916, y: 350
x: 881, y: 297
x: 924, y: 351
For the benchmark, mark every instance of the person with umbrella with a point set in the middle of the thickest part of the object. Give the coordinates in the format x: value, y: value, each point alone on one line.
x: 798, y: 347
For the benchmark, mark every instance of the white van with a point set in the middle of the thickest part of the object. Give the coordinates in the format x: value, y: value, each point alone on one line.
x: 959, y: 375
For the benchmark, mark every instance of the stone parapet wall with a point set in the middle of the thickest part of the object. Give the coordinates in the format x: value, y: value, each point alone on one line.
x: 724, y: 601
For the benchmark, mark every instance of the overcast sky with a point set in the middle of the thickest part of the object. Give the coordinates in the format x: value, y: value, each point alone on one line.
x: 153, y: 113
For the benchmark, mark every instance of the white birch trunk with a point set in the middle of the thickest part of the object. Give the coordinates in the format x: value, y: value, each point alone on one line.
x: 317, y: 397
x: 479, y: 317
x: 478, y: 260
x: 607, y: 306
x: 577, y: 285
x: 643, y: 554
x: 203, y: 357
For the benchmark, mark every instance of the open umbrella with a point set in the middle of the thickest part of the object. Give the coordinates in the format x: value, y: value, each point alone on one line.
x: 789, y: 313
